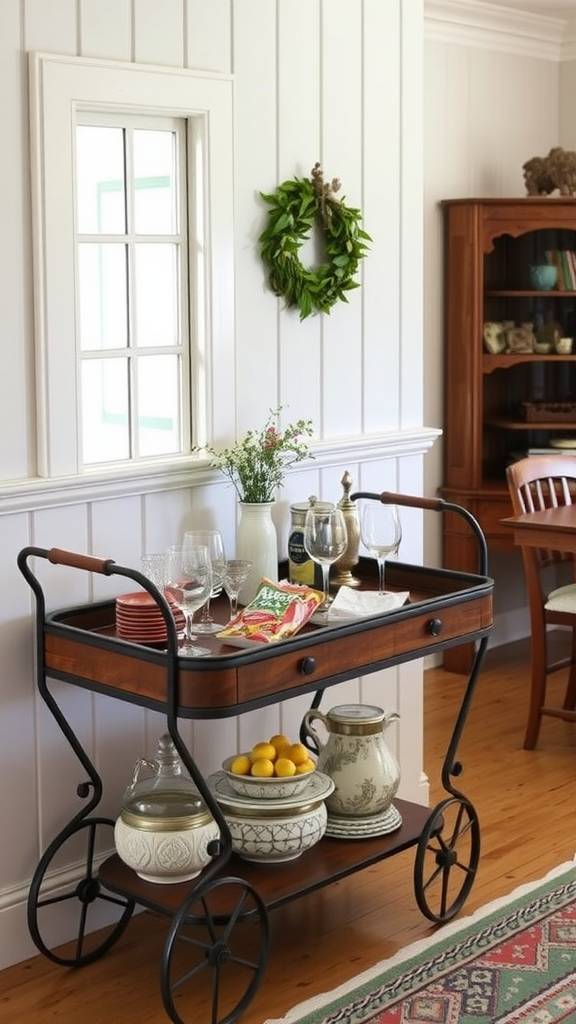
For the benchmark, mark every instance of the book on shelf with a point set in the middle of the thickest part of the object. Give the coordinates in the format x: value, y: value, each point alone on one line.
x: 569, y: 281
x: 565, y: 262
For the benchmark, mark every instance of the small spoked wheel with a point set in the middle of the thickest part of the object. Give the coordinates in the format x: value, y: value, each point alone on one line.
x: 215, y: 953
x: 95, y: 916
x: 447, y: 859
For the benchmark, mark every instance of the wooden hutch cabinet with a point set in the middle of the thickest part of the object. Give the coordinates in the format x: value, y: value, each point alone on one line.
x: 498, y: 405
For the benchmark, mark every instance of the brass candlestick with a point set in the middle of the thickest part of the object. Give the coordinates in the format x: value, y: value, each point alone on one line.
x: 341, y: 574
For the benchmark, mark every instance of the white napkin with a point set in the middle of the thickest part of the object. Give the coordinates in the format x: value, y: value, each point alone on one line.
x: 355, y: 604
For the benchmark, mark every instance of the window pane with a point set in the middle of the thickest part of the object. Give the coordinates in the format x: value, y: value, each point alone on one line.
x: 156, y: 295
x: 105, y: 422
x: 155, y: 208
x: 102, y: 296
x: 100, y: 182
x: 158, y: 405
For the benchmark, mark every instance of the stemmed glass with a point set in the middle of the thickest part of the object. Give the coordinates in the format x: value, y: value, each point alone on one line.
x: 325, y: 540
x: 381, y: 534
x: 235, y: 576
x: 187, y: 584
x: 212, y: 539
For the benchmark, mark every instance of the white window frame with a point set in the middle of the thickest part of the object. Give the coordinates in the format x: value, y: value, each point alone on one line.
x: 59, y: 87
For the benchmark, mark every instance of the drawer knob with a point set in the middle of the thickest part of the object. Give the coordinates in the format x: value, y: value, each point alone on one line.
x: 308, y: 666
x: 435, y: 627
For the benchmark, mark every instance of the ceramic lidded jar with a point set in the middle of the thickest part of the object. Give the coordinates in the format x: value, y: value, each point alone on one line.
x: 356, y: 757
x: 165, y: 829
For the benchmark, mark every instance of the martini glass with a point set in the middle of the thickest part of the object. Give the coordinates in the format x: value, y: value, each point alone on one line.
x: 187, y: 585
x: 235, y: 576
x: 325, y: 540
x: 212, y: 539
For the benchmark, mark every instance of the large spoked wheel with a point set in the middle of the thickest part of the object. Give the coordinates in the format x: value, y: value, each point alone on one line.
x: 447, y: 859
x: 89, y: 910
x: 215, y: 953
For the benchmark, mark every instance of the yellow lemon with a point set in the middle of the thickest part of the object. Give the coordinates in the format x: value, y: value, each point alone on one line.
x: 296, y: 752
x: 263, y: 750
x: 279, y: 742
x: 306, y: 766
x: 262, y: 768
x: 284, y: 768
x: 241, y: 765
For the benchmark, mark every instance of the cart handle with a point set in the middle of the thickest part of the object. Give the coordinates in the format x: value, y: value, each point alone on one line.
x: 434, y: 505
x: 59, y: 556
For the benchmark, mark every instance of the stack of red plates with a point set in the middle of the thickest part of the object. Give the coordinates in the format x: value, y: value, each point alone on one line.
x: 138, y: 618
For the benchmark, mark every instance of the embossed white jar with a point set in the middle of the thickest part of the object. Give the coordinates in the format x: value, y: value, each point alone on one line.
x: 355, y: 756
x: 164, y: 848
x: 165, y: 829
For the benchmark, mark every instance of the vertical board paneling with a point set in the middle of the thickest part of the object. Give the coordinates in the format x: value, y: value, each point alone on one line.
x: 411, y: 381
x: 299, y: 147
x: 16, y: 383
x: 106, y: 29
x: 50, y: 27
x: 255, y: 165
x: 341, y: 63
x: 382, y: 76
x: 127, y: 544
x: 208, y: 35
x: 18, y: 802
x: 159, y: 32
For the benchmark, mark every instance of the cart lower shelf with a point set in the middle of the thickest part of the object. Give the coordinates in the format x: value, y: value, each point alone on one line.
x: 328, y: 861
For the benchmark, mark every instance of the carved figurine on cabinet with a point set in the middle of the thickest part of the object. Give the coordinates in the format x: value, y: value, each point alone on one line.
x: 543, y: 175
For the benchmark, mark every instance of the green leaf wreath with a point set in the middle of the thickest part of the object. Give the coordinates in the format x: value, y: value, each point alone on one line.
x: 295, y: 208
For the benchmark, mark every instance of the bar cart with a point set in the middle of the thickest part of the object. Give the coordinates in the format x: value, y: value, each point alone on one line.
x: 218, y: 930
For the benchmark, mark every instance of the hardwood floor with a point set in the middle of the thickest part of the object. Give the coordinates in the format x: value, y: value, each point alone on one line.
x: 526, y: 804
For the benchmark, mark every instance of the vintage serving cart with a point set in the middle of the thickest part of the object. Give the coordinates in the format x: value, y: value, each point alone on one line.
x: 218, y: 923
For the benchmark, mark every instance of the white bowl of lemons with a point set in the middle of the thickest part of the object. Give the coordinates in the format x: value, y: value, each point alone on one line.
x: 273, y: 769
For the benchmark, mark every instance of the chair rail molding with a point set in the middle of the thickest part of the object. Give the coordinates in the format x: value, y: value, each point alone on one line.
x: 38, y: 493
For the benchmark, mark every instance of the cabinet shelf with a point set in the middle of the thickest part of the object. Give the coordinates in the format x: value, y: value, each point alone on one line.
x: 505, y: 360
x: 520, y: 293
x: 510, y: 424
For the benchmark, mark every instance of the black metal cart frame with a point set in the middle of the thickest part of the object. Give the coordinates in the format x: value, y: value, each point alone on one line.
x: 212, y: 916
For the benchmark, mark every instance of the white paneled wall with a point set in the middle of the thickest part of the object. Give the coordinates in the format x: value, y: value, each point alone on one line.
x: 337, y: 81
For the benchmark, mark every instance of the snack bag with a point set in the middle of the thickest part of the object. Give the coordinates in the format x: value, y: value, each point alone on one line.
x: 277, y: 612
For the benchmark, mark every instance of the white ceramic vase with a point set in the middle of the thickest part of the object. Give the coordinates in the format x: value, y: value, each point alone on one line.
x: 257, y: 541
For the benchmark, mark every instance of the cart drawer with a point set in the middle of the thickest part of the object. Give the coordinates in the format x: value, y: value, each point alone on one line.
x: 315, y: 663
x: 430, y: 629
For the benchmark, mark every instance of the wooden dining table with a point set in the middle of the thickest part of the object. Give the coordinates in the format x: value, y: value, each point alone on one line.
x: 551, y: 528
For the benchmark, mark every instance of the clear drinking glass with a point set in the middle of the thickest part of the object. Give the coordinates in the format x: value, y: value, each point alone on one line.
x: 381, y: 534
x: 212, y: 539
x: 188, y: 583
x: 325, y: 540
x: 235, y: 576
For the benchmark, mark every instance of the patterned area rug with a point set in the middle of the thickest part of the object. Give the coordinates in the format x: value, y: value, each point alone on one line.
x: 513, y: 962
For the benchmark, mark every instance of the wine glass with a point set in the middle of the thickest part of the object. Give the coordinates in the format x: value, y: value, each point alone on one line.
x: 187, y: 585
x: 236, y: 573
x: 212, y: 539
x: 381, y: 533
x: 325, y: 540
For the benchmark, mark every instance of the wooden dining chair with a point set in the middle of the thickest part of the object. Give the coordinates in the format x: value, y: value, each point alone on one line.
x: 534, y: 484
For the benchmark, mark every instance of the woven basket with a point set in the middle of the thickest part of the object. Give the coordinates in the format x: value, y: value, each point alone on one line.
x: 548, y: 412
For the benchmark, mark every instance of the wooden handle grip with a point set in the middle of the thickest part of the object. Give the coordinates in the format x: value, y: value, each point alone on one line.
x: 58, y: 556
